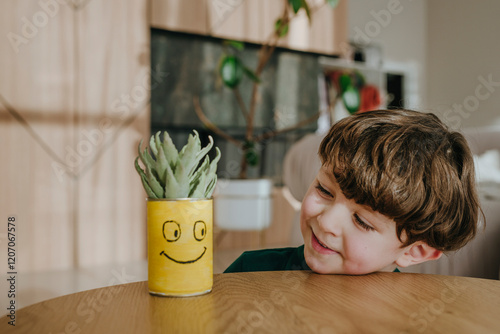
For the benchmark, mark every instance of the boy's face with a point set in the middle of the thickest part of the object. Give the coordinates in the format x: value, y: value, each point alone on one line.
x: 343, y: 237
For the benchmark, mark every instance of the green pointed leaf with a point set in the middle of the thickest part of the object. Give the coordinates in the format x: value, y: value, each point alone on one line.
x: 240, y: 46
x: 171, y: 185
x: 158, y: 146
x: 205, y: 165
x: 213, y: 164
x: 281, y: 29
x: 195, y: 180
x: 211, y: 174
x: 251, y: 74
x: 303, y: 4
x: 188, y: 155
x: 154, y: 183
x: 231, y: 71
x: 296, y: 4
x: 203, y: 152
x: 182, y: 179
x: 199, y: 189
x: 161, y: 166
x: 170, y: 150
x: 199, y: 185
x: 145, y: 184
x: 252, y: 157
x: 145, y: 157
x: 198, y: 176
x: 211, y: 187
x: 152, y: 145
x: 248, y: 144
x: 151, y: 174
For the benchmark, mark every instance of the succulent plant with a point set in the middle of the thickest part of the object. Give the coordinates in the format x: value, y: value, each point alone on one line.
x: 168, y: 173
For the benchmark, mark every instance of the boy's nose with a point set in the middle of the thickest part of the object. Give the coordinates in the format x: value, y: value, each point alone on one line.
x: 332, y: 219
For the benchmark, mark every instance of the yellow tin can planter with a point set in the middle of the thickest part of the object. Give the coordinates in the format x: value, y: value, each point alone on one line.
x: 180, y: 246
x: 179, y: 185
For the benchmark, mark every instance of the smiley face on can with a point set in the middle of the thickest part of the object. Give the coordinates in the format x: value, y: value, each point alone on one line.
x: 172, y: 232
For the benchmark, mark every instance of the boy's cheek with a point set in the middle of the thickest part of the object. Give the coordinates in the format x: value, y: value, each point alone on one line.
x: 310, y: 206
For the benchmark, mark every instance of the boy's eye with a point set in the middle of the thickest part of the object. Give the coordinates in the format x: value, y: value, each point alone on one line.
x: 323, y: 190
x: 362, y: 224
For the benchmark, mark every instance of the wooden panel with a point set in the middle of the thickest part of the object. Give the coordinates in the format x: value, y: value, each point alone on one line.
x: 326, y: 34
x: 253, y: 21
x: 181, y: 15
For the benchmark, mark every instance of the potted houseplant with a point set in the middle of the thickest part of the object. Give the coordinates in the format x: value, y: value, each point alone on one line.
x: 244, y: 204
x: 179, y: 186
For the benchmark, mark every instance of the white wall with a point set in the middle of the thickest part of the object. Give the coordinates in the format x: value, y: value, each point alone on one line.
x: 463, y: 48
x: 451, y: 43
x: 400, y: 28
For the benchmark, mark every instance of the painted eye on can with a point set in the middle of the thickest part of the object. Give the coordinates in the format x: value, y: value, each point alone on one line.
x: 171, y: 231
x: 200, y: 230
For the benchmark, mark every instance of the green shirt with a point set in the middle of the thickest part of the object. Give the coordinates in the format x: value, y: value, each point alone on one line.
x: 290, y: 258
x: 276, y: 259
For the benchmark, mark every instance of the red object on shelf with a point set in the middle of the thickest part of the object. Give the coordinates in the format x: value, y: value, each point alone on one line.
x: 370, y: 98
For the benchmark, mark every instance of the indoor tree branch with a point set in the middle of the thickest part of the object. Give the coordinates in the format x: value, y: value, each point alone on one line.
x: 274, y: 133
x: 243, y: 108
x: 264, y: 56
x: 212, y: 126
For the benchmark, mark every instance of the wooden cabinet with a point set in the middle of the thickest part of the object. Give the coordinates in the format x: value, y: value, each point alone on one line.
x: 253, y: 21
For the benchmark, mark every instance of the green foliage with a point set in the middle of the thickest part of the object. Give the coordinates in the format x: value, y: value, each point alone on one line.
x: 168, y: 173
x: 252, y: 156
x: 240, y: 46
x: 231, y: 71
x: 251, y: 74
x: 281, y: 28
x: 351, y: 99
x: 306, y: 8
x: 298, y: 4
x: 344, y: 82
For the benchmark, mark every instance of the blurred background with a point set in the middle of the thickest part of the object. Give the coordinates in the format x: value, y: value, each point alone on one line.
x: 83, y: 81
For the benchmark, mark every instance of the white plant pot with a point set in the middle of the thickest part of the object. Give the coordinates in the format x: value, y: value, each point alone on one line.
x: 243, y: 205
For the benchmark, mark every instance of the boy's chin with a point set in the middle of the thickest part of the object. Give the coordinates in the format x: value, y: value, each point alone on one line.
x: 320, y: 268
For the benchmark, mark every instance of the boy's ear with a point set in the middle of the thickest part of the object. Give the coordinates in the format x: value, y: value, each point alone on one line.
x: 418, y: 252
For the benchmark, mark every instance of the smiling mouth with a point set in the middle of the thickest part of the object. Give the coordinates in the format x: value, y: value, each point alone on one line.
x: 184, y: 262
x: 319, y: 247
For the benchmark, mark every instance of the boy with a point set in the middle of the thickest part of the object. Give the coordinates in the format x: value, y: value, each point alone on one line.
x: 396, y: 188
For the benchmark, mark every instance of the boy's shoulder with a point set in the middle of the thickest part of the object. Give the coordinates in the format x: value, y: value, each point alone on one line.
x: 289, y: 258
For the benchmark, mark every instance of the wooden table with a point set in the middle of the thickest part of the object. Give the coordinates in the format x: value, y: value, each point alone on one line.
x: 278, y: 302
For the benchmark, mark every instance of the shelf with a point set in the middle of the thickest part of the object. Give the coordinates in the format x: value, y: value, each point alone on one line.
x: 332, y: 63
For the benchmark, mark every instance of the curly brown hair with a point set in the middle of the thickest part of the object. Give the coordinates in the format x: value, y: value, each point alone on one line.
x: 408, y: 166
